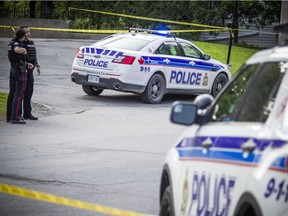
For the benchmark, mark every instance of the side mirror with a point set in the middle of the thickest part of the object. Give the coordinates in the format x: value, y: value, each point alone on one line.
x: 183, y: 113
x: 203, y: 101
x: 206, y: 57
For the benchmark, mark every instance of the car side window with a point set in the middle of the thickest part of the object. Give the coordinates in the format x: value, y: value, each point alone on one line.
x: 251, y: 96
x: 260, y: 100
x: 191, y: 51
x: 229, y: 103
x: 169, y: 48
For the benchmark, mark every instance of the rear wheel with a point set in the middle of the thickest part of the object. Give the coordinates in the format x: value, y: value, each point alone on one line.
x: 219, y: 82
x: 167, y: 208
x: 92, y: 90
x: 155, y: 90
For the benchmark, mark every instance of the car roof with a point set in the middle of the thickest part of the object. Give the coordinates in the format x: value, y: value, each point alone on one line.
x: 151, y: 37
x: 275, y: 54
x: 146, y: 36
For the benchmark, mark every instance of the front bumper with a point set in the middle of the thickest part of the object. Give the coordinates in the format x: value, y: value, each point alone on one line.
x: 111, y: 83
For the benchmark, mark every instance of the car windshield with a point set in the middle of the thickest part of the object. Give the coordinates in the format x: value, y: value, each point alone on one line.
x: 134, y: 44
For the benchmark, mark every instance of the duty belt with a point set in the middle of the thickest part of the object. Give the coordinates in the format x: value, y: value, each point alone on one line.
x: 21, y: 65
x: 15, y: 64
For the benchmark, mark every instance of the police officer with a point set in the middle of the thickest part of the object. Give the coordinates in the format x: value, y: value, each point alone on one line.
x: 31, y: 58
x: 17, y: 78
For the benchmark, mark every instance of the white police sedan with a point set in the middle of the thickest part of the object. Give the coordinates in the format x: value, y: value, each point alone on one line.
x: 233, y: 160
x: 144, y: 62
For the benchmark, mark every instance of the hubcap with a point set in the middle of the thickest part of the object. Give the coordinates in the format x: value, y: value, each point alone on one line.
x: 219, y: 87
x: 155, y: 89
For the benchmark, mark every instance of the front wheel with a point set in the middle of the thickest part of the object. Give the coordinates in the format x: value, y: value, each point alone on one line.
x: 167, y: 207
x: 92, y: 90
x: 155, y: 90
x: 219, y: 82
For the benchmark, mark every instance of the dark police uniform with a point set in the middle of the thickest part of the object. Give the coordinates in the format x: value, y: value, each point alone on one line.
x: 17, y: 82
x: 31, y: 58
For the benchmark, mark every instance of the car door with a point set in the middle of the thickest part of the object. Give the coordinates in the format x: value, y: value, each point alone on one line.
x: 197, y: 64
x: 181, y: 71
x: 228, y: 147
x: 239, y: 135
x: 208, y: 167
x: 268, y: 180
x: 245, y: 135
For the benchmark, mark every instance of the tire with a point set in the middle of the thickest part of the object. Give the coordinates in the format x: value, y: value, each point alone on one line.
x: 247, y: 206
x: 219, y: 82
x: 155, y: 90
x: 92, y: 90
x: 167, y: 206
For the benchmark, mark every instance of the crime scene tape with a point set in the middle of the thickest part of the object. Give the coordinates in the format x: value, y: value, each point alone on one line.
x: 150, y: 19
x: 12, y: 27
x: 69, y: 30
x: 104, y: 31
x: 212, y: 28
x: 32, y: 194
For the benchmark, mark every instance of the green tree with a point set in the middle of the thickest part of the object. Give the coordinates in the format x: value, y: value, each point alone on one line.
x: 258, y: 13
x: 248, y: 13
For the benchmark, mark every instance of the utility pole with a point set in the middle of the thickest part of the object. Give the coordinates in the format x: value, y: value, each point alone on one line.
x: 232, y: 31
x: 283, y: 37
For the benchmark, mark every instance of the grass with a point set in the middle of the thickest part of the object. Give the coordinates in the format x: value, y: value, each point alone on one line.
x: 220, y: 51
x: 3, y: 102
x: 217, y: 51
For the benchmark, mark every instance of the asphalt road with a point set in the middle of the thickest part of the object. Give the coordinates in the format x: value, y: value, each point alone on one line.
x: 106, y: 150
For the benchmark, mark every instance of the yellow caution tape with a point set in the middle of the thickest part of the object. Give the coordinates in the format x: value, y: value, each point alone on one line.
x: 149, y: 19
x: 32, y: 194
x: 211, y: 28
x: 109, y: 31
x: 12, y: 27
x: 195, y: 30
x: 232, y: 33
x: 70, y: 30
x: 256, y: 31
x: 106, y: 31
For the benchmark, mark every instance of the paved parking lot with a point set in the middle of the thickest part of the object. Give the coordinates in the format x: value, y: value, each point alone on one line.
x: 106, y: 150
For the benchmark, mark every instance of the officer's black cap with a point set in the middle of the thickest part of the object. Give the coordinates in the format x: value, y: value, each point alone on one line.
x: 20, y: 33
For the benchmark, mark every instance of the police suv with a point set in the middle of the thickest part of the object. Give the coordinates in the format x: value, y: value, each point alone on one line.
x: 149, y: 63
x: 233, y: 159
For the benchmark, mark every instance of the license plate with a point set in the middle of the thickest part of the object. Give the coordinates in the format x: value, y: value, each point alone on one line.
x: 93, y: 79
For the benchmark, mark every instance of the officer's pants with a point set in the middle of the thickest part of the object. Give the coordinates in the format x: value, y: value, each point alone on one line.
x: 28, y: 94
x: 17, y: 85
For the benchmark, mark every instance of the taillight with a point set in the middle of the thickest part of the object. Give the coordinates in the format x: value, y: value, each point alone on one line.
x: 124, y: 59
x: 79, y: 54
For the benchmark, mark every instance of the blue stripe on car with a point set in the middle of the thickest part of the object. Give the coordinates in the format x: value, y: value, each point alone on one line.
x: 175, y: 62
x: 229, y: 149
x: 99, y: 51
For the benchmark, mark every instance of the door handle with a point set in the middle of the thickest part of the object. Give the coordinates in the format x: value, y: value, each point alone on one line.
x: 207, y: 143
x: 192, y: 63
x: 166, y: 61
x: 248, y: 146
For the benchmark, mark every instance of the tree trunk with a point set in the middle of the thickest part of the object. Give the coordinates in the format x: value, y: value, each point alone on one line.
x: 47, y: 9
x: 235, y: 23
x: 283, y: 37
x: 32, y: 6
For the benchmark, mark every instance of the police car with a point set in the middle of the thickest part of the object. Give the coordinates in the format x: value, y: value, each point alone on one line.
x: 149, y: 63
x: 233, y: 159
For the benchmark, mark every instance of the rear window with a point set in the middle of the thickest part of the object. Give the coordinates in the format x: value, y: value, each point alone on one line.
x: 134, y: 44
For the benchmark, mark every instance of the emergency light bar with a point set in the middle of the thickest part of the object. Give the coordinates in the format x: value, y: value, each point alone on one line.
x: 158, y: 32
